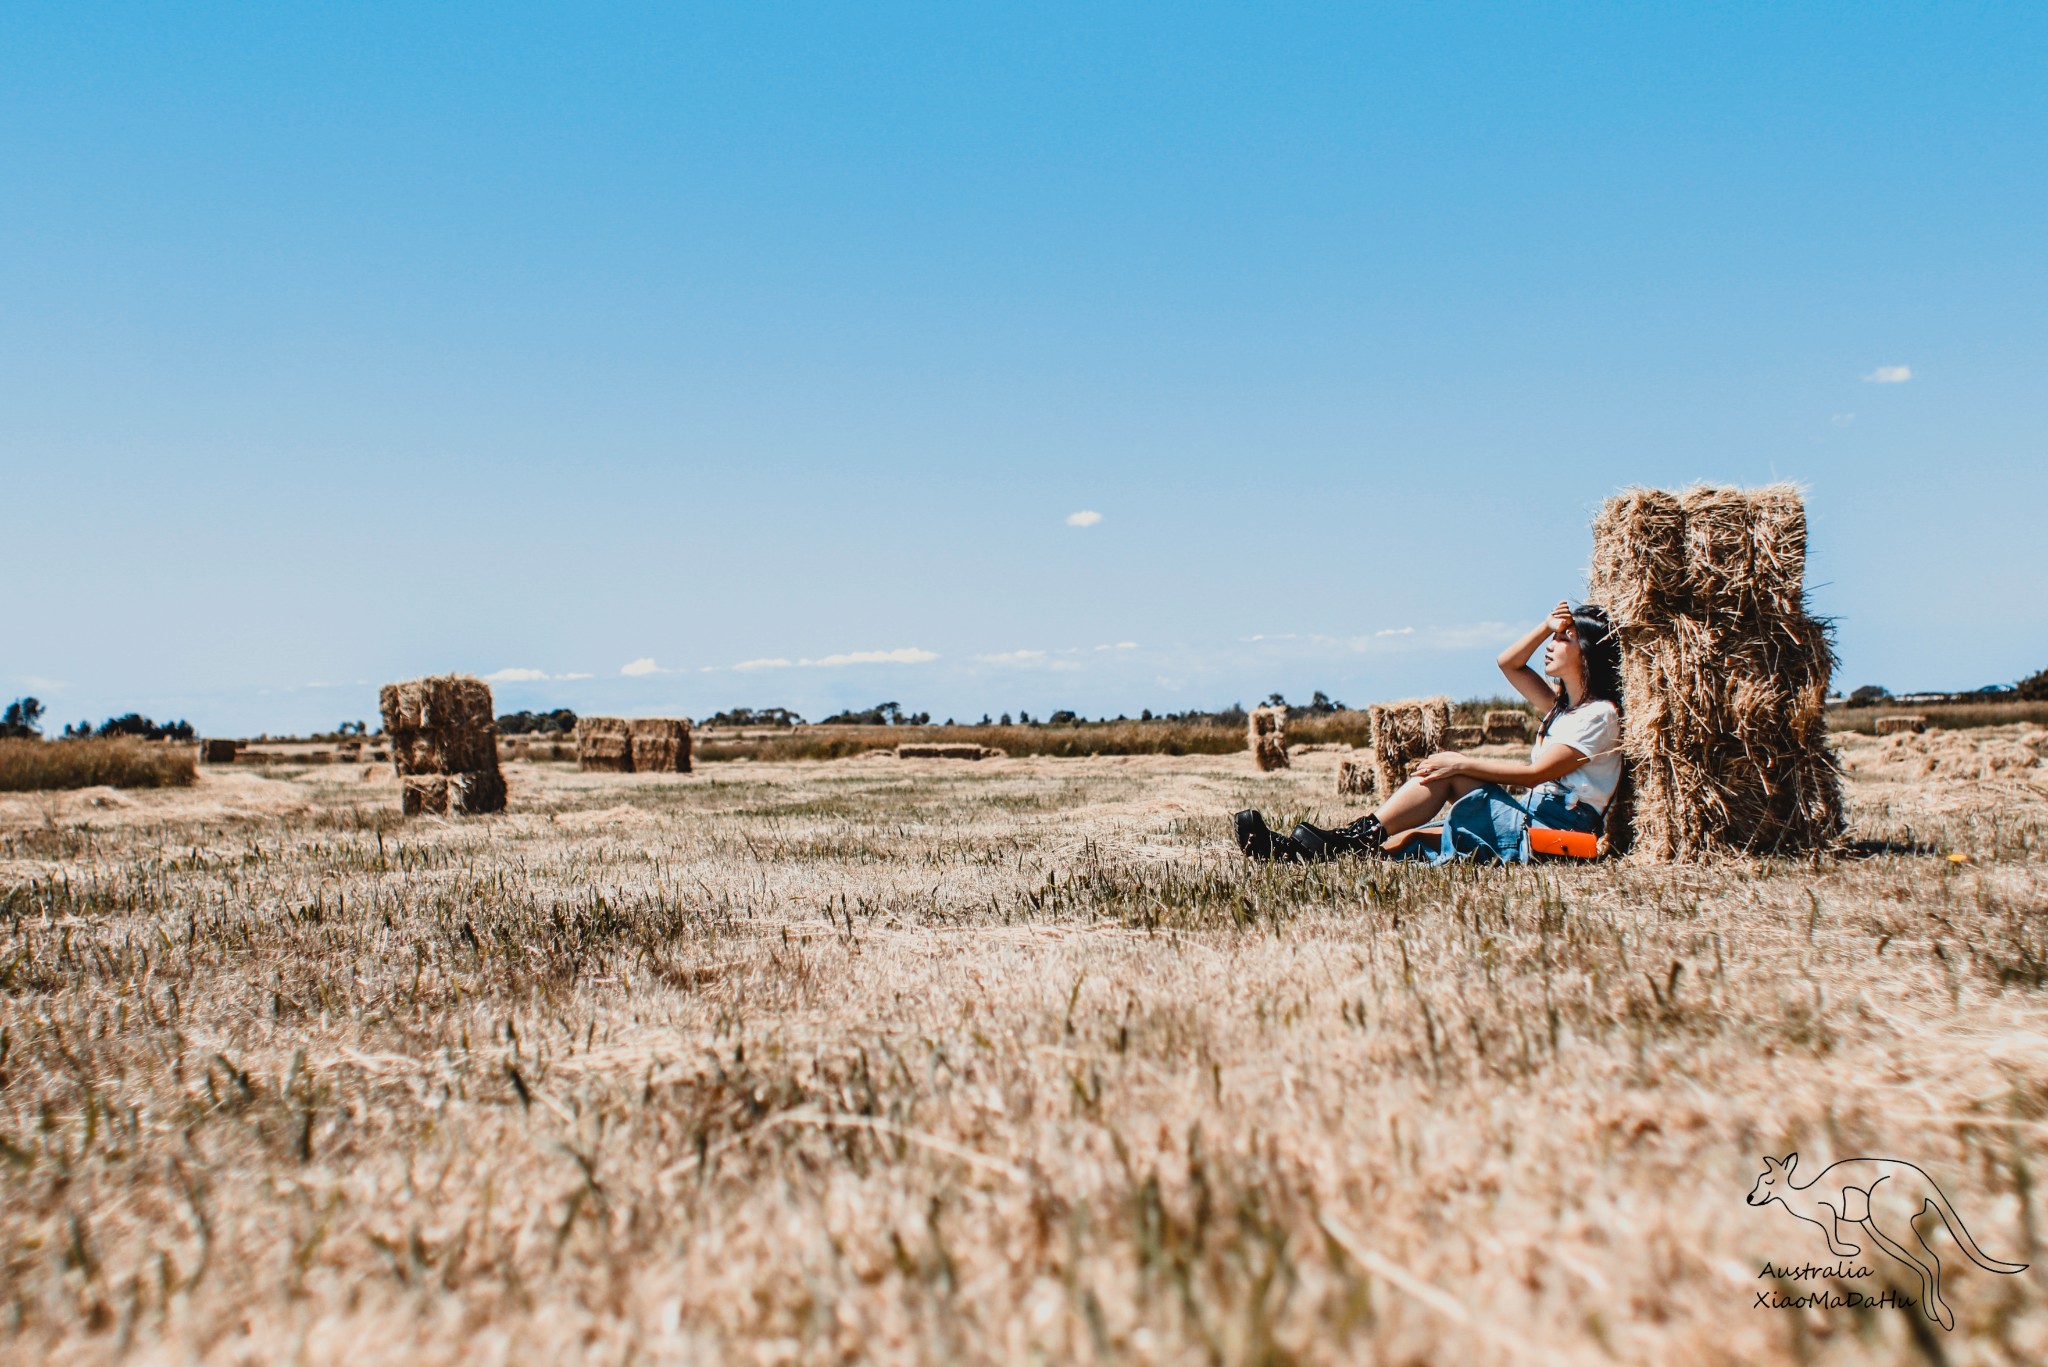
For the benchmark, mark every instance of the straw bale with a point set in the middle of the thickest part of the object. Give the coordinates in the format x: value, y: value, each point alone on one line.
x: 941, y: 750
x: 477, y: 792
x: 1269, y: 752
x: 1638, y: 570
x: 604, y: 744
x: 1724, y: 675
x: 1355, y: 777
x: 1912, y: 722
x: 1745, y: 551
x: 219, y: 751
x: 423, y: 794
x: 1404, y: 732
x: 661, y: 745
x: 1507, y: 727
x: 442, y: 733
x: 470, y: 794
x: 1465, y: 737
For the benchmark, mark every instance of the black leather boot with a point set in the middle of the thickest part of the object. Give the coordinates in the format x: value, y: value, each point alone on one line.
x: 1259, y: 842
x: 1364, y: 836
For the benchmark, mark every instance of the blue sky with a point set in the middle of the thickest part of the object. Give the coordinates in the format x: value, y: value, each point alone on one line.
x: 667, y: 358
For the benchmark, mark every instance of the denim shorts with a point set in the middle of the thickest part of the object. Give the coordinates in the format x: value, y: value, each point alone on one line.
x: 1490, y: 825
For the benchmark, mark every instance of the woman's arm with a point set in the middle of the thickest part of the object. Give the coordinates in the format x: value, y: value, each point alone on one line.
x: 1553, y: 761
x: 1514, y: 661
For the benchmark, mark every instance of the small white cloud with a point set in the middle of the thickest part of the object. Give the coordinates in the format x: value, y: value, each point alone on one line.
x: 1842, y: 419
x: 640, y: 667
x: 1012, y: 657
x: 1396, y: 631
x: 906, y: 655
x: 1889, y: 374
x: 516, y: 675
x: 575, y: 676
x: 1119, y: 645
x: 1084, y: 518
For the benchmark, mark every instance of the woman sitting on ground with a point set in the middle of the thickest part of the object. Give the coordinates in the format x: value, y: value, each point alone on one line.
x: 1571, y: 774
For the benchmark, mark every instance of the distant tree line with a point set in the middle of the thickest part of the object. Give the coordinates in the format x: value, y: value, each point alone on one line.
x: 748, y: 716
x: 561, y: 721
x: 882, y: 714
x: 23, y: 720
x: 2033, y: 688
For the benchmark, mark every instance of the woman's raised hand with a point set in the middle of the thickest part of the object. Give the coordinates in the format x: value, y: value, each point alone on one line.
x: 1560, y: 618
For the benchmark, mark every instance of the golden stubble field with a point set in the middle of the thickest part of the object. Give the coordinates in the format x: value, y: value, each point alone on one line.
x: 910, y: 1061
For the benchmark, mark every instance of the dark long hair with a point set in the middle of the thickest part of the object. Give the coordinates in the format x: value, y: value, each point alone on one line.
x: 1602, y: 654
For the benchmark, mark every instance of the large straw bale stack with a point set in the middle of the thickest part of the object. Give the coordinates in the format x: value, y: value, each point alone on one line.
x: 441, y: 733
x: 1355, y: 777
x: 604, y: 744
x: 1504, y: 726
x: 1911, y: 723
x: 1268, y: 752
x: 1404, y: 732
x: 219, y: 751
x: 661, y: 745
x: 1724, y: 675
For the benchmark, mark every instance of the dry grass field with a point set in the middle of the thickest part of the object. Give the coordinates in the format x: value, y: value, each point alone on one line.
x: 1012, y: 1061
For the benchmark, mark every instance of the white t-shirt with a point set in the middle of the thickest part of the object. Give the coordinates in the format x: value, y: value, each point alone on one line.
x: 1594, y: 730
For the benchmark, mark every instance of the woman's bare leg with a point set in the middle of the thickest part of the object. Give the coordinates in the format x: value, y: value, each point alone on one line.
x: 1415, y: 802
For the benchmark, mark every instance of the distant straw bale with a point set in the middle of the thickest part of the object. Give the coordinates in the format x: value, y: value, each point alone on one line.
x: 1269, y: 752
x: 661, y: 745
x: 1505, y: 726
x: 1724, y: 675
x: 604, y: 744
x: 1465, y: 737
x: 1404, y: 732
x: 1355, y: 777
x: 943, y: 750
x: 443, y: 728
x: 219, y: 751
x: 1909, y: 723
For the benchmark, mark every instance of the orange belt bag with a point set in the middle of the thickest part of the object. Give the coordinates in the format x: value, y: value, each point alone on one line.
x: 1564, y: 844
